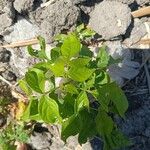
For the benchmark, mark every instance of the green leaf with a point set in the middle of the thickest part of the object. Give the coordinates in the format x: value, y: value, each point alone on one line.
x: 82, y: 101
x: 32, y: 51
x: 60, y: 37
x: 87, y: 33
x: 58, y: 67
x: 116, y: 140
x: 103, y: 58
x: 36, y: 80
x: 119, y: 99
x: 67, y: 107
x: 43, y: 66
x: 80, y: 28
x: 31, y: 111
x: 114, y: 93
x: 88, y: 126
x: 70, y: 127
x: 85, y: 51
x: 70, y: 88
x: 81, y: 62
x: 104, y: 123
x: 24, y: 86
x: 36, y: 53
x: 80, y: 74
x: 55, y: 53
x: 48, y: 110
x: 102, y: 78
x: 90, y: 83
x: 42, y: 43
x: 71, y: 46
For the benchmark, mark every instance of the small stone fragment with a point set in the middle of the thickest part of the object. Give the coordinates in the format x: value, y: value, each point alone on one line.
x: 138, y: 31
x: 23, y: 6
x: 5, y: 56
x: 123, y: 1
x: 143, y: 2
x: 110, y: 19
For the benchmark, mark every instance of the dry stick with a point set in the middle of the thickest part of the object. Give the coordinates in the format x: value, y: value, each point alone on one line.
x: 141, y: 12
x: 22, y: 43
x: 145, y: 54
x: 144, y: 41
x: 147, y: 74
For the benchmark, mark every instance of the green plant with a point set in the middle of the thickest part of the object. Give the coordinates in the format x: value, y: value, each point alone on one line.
x: 10, y: 135
x: 85, y: 100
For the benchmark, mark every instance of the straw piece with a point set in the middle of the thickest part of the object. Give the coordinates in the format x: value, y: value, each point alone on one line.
x: 22, y: 43
x: 141, y: 12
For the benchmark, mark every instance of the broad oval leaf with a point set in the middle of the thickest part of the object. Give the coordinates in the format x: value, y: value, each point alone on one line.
x: 87, y: 126
x: 79, y: 62
x: 58, y: 67
x: 104, y: 123
x: 36, y: 80
x: 103, y: 58
x: 70, y: 127
x: 119, y: 99
x: 82, y: 101
x: 48, y: 110
x: 71, y: 46
x: 80, y: 74
x: 24, y: 86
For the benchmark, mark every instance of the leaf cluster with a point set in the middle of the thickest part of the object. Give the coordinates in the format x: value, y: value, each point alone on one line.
x: 85, y: 99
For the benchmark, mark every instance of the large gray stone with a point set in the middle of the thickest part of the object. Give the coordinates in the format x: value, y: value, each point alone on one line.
x: 7, y: 15
x: 110, y: 19
x: 56, y: 17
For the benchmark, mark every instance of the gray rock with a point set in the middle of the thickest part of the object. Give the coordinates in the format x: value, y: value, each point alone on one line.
x: 138, y: 31
x: 5, y: 56
x: 142, y: 2
x: 110, y: 19
x: 7, y: 15
x: 78, y: 1
x: 123, y: 1
x: 23, y: 6
x: 58, y: 16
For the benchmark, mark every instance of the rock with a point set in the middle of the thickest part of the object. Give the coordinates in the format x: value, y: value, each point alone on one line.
x: 138, y: 31
x: 5, y: 56
x: 142, y: 2
x: 40, y: 141
x: 21, y: 30
x: 110, y: 19
x: 78, y: 1
x: 7, y: 15
x: 23, y: 6
x: 123, y: 1
x: 51, y: 139
x: 56, y: 17
x: 9, y: 76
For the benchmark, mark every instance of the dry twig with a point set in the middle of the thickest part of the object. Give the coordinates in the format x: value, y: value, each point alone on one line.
x: 21, y: 43
x: 141, y: 12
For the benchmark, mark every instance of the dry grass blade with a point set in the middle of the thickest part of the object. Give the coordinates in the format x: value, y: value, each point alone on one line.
x: 144, y: 41
x: 141, y: 12
x: 22, y: 43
